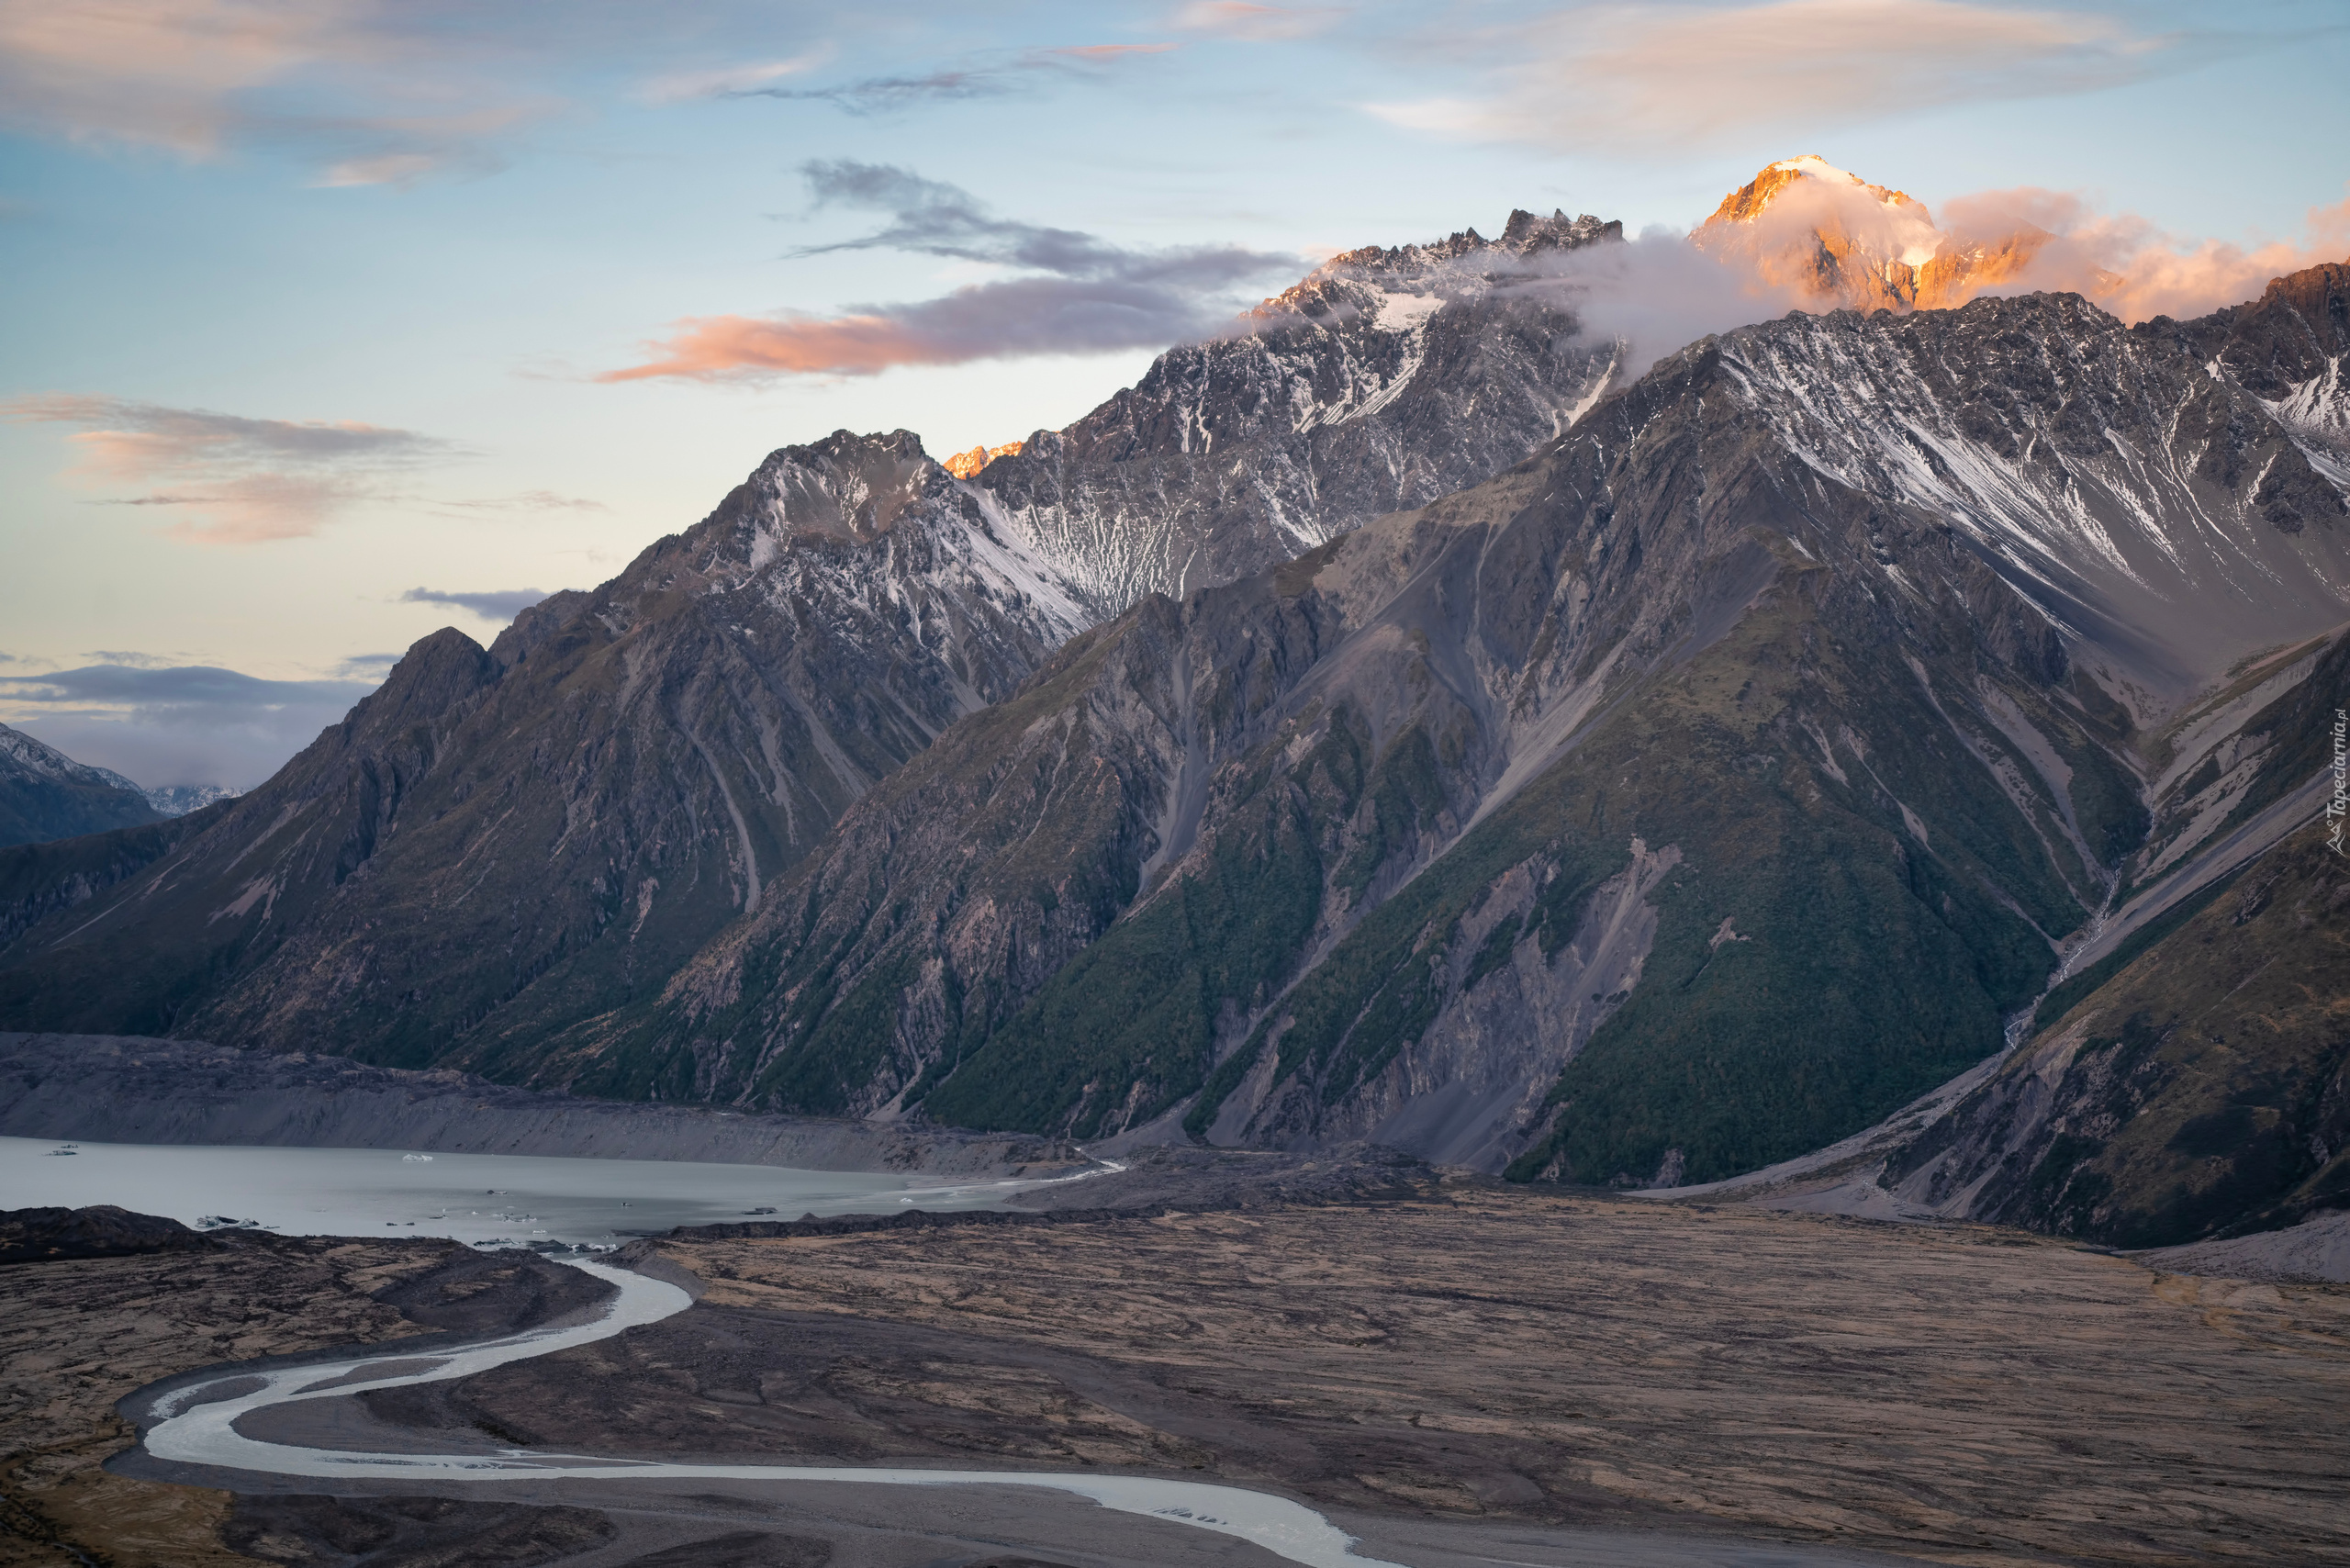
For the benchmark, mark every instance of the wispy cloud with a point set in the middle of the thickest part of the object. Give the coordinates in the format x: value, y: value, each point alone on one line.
x: 1669, y: 76
x: 528, y: 500
x: 988, y: 78
x: 728, y: 80
x: 501, y: 605
x: 1093, y: 296
x: 175, y: 724
x: 1257, y: 24
x: 165, y: 74
x: 373, y: 94
x: 1105, y: 51
x: 243, y: 480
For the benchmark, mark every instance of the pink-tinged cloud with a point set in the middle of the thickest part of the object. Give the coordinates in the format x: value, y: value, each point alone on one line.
x: 1015, y: 319
x: 719, y: 82
x: 160, y: 74
x: 2131, y: 267
x: 1666, y: 77
x: 719, y: 348
x: 243, y: 481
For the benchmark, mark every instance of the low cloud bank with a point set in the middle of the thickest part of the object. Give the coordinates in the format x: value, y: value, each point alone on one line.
x: 176, y: 724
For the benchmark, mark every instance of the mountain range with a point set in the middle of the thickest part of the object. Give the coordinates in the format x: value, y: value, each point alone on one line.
x: 1396, y: 720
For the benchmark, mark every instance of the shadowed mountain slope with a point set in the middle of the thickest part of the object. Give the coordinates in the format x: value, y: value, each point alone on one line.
x: 2196, y: 1076
x: 496, y: 838
x: 499, y: 845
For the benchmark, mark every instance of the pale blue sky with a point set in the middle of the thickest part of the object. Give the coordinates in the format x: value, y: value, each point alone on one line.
x: 444, y: 221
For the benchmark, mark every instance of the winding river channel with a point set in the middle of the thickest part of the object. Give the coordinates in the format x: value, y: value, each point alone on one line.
x: 198, y: 1426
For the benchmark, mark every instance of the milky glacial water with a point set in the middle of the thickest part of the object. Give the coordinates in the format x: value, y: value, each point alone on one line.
x: 199, y: 1426
x: 486, y: 1200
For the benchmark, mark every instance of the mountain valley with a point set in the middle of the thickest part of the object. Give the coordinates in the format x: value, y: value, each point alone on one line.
x: 1392, y: 720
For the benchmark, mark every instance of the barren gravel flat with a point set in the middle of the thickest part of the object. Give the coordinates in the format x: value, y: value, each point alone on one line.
x: 1966, y: 1395
x: 77, y: 1335
x: 1470, y: 1375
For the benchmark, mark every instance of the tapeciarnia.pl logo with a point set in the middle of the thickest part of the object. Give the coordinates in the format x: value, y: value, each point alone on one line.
x: 2337, y: 805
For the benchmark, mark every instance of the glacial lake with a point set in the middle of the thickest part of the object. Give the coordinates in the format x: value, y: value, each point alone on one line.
x: 485, y: 1200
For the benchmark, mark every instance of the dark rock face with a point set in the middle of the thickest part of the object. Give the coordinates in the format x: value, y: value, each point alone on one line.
x: 1801, y: 675
x: 102, y: 1230
x: 497, y: 837
x: 39, y: 880
x: 45, y: 795
x: 2197, y: 1080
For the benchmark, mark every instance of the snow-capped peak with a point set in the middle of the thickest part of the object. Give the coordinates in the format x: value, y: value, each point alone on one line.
x: 1806, y: 221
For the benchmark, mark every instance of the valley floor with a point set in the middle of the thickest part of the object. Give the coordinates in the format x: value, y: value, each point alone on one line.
x: 1468, y: 1373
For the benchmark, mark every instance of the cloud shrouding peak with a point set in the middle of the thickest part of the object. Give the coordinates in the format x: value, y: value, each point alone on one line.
x: 1807, y: 226
x: 243, y: 480
x: 1085, y: 294
x: 2131, y: 267
x: 1671, y: 76
x: 497, y: 604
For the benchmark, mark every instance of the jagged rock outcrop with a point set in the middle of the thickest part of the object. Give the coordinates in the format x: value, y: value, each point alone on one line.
x: 46, y: 795
x: 1386, y: 379
x: 2291, y: 347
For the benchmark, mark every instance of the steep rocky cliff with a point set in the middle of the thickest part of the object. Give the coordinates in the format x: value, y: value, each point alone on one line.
x: 2193, y: 1076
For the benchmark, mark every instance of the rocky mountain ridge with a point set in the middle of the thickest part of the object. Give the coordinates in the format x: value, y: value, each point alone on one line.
x: 500, y: 841
x: 1387, y: 378
x: 46, y: 795
x: 1342, y: 849
x: 1696, y: 791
